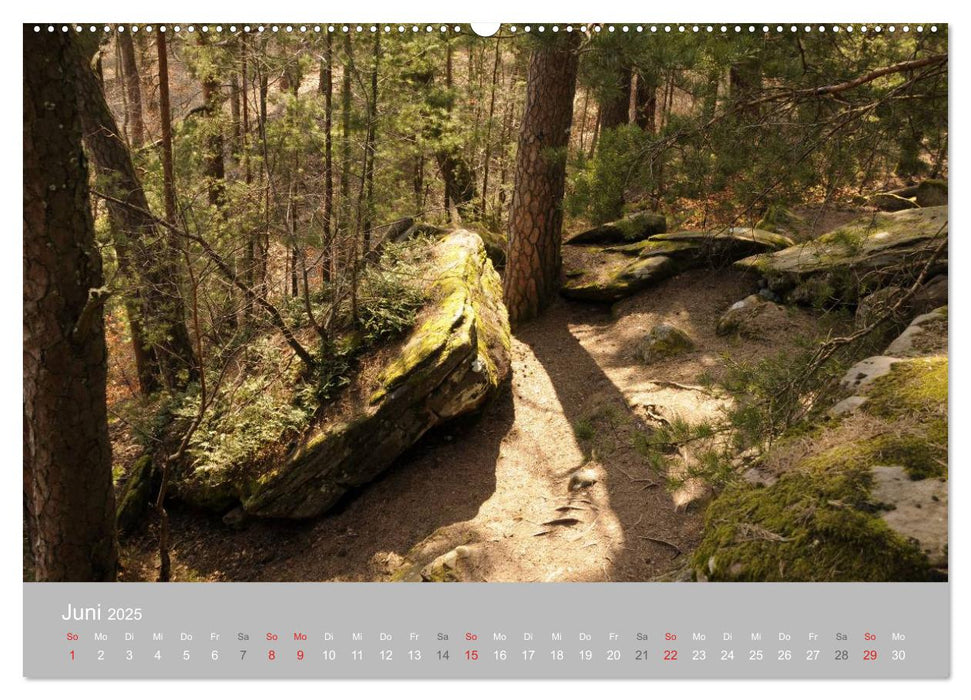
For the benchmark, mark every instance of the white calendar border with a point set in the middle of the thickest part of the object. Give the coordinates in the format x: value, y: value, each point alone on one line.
x: 11, y: 620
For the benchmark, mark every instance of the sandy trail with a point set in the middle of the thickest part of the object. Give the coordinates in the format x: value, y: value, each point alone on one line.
x: 498, y: 485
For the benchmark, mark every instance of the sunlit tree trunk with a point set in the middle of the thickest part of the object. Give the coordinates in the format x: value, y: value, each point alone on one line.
x: 536, y: 216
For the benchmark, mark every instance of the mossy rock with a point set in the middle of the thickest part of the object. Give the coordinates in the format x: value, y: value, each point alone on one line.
x: 618, y: 278
x: 662, y: 342
x: 495, y: 245
x: 854, y: 260
x: 452, y: 362
x: 753, y: 317
x: 635, y: 227
x: 868, y: 502
x: 926, y: 335
x: 650, y: 248
x: 895, y: 201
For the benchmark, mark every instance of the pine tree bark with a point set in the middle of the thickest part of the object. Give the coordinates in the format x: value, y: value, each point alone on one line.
x: 536, y: 216
x: 145, y: 256
x: 67, y: 455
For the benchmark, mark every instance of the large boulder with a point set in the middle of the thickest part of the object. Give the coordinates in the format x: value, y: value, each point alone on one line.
x: 456, y: 358
x: 635, y: 227
x: 855, y: 259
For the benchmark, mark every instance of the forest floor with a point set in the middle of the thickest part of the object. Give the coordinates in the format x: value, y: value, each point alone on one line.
x: 498, y: 486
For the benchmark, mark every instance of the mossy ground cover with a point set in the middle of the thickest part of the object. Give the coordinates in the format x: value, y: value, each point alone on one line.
x: 815, y: 524
x: 819, y: 520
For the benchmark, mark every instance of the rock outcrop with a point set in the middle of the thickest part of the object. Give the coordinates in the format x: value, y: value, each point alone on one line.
x: 856, y: 259
x: 456, y: 357
x: 619, y: 271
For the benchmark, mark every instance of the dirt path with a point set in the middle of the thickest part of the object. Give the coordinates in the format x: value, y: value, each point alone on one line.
x: 495, y: 491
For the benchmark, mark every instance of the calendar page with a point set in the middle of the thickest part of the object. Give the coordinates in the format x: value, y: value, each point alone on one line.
x: 483, y: 351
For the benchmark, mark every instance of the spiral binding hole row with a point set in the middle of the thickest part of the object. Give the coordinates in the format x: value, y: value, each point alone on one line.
x: 513, y: 29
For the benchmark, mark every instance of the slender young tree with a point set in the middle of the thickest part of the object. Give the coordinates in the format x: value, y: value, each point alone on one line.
x: 328, y: 266
x: 215, y: 169
x: 536, y: 216
x: 67, y: 456
x: 488, y: 138
x: 133, y: 90
x: 165, y: 115
x: 370, y: 146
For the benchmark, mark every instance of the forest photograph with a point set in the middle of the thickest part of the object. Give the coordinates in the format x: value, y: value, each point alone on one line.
x: 405, y: 303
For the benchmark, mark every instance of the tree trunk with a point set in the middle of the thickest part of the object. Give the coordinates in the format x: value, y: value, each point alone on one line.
x: 145, y: 254
x: 328, y: 265
x: 133, y: 90
x: 645, y: 109
x: 67, y: 455
x: 535, y: 216
x: 371, y: 148
x: 615, y: 103
x: 488, y: 139
x: 215, y: 167
x: 345, y: 179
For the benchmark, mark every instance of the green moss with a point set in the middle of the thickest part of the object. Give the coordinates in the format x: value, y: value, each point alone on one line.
x: 460, y: 297
x: 922, y: 452
x: 913, y: 387
x: 923, y: 455
x: 815, y: 524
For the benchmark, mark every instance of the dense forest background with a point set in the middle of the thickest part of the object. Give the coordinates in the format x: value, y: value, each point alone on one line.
x: 253, y: 193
